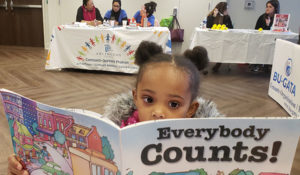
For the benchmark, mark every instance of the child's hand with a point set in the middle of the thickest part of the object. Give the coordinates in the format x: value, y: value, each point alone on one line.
x: 15, y: 167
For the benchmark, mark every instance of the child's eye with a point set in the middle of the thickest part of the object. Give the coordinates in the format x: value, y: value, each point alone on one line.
x: 174, y: 104
x: 148, y: 99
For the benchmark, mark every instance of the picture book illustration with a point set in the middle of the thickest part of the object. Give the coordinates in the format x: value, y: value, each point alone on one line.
x: 49, y: 140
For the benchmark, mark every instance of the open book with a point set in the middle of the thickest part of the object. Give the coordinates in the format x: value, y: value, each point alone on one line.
x: 51, y: 140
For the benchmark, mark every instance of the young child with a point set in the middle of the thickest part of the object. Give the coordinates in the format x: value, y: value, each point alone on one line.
x: 166, y: 87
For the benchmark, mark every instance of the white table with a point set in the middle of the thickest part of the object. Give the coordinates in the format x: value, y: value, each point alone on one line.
x: 101, y: 48
x: 239, y: 45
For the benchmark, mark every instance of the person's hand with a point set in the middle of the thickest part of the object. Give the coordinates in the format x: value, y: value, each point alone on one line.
x: 216, y: 11
x: 15, y: 167
x: 94, y: 23
x: 98, y: 23
x: 116, y: 23
x: 268, y: 20
x: 91, y: 23
x: 143, y: 11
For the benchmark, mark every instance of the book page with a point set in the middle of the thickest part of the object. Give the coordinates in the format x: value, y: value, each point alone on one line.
x: 210, y: 146
x: 53, y: 140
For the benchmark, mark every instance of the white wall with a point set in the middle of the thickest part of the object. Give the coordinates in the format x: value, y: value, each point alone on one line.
x: 51, y: 18
x: 246, y: 18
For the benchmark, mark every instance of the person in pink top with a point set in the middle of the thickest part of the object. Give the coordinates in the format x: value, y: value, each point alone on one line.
x: 89, y: 13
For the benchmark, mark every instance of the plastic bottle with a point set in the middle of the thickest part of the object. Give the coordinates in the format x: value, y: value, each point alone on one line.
x: 132, y: 23
x: 204, y: 22
x: 145, y: 22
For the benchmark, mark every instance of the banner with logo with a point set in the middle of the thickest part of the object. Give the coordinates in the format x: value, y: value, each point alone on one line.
x: 285, y: 77
x: 101, y: 48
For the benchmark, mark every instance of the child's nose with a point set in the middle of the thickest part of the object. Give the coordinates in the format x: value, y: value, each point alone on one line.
x: 158, y: 114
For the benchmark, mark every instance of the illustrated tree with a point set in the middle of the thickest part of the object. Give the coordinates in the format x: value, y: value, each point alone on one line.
x: 59, y: 137
x: 12, y: 132
x: 200, y: 171
x: 34, y: 128
x: 155, y: 173
x: 106, y: 149
x: 130, y: 173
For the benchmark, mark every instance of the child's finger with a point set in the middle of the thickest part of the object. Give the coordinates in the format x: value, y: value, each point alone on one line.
x: 13, y: 171
x: 14, y: 163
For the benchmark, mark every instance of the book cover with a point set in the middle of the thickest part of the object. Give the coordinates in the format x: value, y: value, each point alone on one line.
x: 52, y: 140
x: 281, y: 22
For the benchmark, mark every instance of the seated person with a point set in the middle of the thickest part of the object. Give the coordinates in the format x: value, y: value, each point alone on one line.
x: 146, y: 12
x: 89, y: 14
x: 117, y: 14
x: 219, y: 15
x: 265, y: 21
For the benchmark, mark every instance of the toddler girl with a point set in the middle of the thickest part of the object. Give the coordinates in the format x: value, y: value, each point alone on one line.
x: 166, y: 87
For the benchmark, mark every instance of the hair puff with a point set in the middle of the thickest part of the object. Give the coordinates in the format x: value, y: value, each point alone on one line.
x: 145, y: 51
x: 198, y: 56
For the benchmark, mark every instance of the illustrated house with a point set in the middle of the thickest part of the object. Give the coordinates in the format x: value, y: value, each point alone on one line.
x: 22, y: 136
x: 13, y: 107
x: 82, y: 137
x: 29, y: 114
x: 85, y: 148
x: 24, y: 140
x: 91, y: 162
x: 49, y: 122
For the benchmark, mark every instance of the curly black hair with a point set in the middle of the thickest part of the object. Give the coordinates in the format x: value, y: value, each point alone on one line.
x: 191, y: 62
x: 150, y: 7
x: 84, y: 2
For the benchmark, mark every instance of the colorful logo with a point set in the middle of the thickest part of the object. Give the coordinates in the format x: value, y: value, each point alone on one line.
x: 107, y: 47
x: 288, y: 67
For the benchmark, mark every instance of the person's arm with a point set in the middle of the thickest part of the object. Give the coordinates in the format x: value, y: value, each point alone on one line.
x: 107, y: 15
x: 151, y: 21
x: 79, y: 16
x: 260, y: 23
x: 15, y: 167
x: 123, y: 16
x: 228, y: 22
x: 137, y: 16
x: 210, y: 21
x: 98, y: 16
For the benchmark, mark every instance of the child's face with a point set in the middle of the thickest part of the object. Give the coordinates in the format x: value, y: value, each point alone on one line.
x: 163, y: 92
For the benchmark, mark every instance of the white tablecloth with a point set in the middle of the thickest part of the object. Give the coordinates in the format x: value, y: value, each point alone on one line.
x: 101, y: 48
x: 239, y: 45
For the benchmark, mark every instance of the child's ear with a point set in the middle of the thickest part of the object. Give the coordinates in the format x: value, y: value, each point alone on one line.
x: 192, y: 109
x: 134, y: 95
